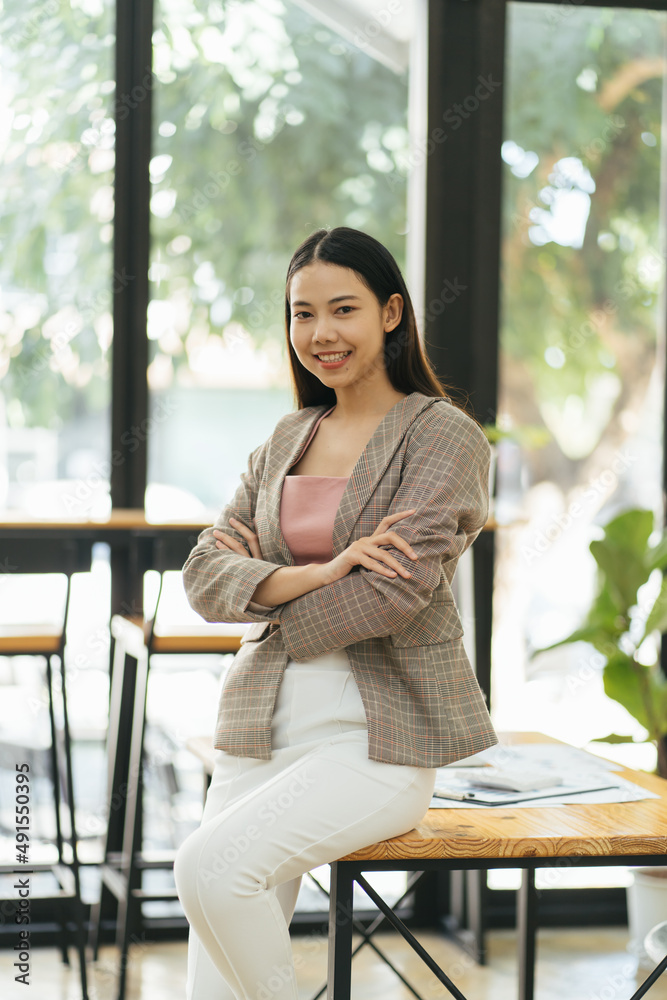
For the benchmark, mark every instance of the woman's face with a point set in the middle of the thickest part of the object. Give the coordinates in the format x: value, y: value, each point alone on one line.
x: 333, y: 312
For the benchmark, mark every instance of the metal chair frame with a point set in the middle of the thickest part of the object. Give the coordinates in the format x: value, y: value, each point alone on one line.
x: 62, y: 556
x: 134, y: 643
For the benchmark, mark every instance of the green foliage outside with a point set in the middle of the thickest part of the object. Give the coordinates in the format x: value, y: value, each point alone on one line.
x: 266, y: 126
x: 584, y: 94
x: 56, y: 200
x: 280, y: 128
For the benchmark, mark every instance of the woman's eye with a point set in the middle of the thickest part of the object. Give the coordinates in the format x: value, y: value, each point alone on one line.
x: 346, y: 307
x: 300, y: 314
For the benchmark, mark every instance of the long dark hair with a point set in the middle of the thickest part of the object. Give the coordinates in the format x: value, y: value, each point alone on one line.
x: 408, y: 368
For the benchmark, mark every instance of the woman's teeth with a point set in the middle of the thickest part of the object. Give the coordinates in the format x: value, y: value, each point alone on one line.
x: 333, y: 357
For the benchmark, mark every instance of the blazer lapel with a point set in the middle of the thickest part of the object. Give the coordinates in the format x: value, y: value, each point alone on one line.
x: 371, y: 465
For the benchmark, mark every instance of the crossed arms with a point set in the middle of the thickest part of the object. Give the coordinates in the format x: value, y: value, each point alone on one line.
x: 445, y: 477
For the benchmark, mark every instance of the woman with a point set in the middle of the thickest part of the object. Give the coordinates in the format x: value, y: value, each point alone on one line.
x: 352, y: 686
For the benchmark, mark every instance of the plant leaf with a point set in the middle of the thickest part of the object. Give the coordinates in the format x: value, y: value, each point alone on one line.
x: 613, y: 738
x: 605, y: 611
x: 631, y: 530
x: 657, y: 618
x: 626, y: 681
x: 597, y: 636
x: 656, y: 557
x: 624, y: 569
x: 658, y: 695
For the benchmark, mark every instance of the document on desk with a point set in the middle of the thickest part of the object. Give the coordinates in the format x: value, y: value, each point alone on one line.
x: 548, y: 756
x: 564, y: 775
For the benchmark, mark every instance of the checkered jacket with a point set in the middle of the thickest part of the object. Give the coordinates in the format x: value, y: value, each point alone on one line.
x: 402, y: 636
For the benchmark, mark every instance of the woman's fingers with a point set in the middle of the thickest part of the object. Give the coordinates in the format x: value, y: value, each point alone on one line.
x: 223, y: 541
x: 368, y: 553
x: 381, y: 556
x: 373, y: 562
x: 391, y: 538
x: 249, y: 535
x: 255, y: 551
x: 390, y: 518
x: 387, y: 521
x: 400, y: 543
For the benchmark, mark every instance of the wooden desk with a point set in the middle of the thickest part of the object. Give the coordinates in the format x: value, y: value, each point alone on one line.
x: 629, y: 833
x: 136, y: 543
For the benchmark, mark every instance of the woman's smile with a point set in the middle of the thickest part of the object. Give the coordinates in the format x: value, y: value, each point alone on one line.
x: 333, y: 360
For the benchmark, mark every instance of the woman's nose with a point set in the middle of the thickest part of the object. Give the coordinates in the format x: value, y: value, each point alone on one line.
x: 324, y: 332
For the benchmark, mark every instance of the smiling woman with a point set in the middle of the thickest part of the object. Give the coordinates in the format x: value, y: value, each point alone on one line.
x: 343, y: 331
x: 346, y: 294
x: 355, y: 685
x: 340, y: 338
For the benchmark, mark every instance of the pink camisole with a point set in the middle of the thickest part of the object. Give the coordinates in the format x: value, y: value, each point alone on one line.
x: 308, y: 506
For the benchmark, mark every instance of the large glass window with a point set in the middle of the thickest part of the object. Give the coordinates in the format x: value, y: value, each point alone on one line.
x: 582, y: 342
x: 268, y: 124
x: 56, y: 271
x: 56, y: 289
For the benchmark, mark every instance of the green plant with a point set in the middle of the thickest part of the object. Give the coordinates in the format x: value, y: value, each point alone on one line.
x: 620, y: 620
x: 528, y: 435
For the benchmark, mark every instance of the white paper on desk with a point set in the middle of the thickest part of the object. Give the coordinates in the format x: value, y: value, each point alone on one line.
x: 560, y: 758
x: 623, y: 791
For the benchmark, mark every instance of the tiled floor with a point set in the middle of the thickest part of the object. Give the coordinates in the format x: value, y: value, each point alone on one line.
x: 577, y: 964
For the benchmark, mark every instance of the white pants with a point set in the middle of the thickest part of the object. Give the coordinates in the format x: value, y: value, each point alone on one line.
x: 266, y: 822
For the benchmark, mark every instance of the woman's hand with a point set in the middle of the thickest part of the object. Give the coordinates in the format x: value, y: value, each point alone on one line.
x: 367, y: 552
x: 224, y: 541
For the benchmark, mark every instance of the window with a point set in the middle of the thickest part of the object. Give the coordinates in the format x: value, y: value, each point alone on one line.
x: 56, y: 272
x: 581, y: 341
x: 268, y: 125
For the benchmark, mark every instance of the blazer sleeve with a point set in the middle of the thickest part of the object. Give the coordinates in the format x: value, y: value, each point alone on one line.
x: 219, y: 583
x: 446, y: 478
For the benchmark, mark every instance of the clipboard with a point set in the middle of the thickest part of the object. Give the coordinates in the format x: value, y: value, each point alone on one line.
x: 489, y: 797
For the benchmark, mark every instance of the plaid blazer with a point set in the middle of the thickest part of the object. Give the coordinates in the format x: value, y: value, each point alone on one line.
x: 402, y: 635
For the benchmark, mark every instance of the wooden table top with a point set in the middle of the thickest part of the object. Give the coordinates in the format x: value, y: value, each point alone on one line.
x: 124, y: 519
x: 615, y: 828
x: 120, y: 519
x: 606, y: 830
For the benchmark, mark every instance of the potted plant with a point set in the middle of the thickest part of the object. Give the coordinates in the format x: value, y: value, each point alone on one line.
x: 619, y: 621
x: 621, y: 624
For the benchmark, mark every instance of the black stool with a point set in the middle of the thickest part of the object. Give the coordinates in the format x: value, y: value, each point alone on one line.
x: 135, y: 640
x: 62, y: 556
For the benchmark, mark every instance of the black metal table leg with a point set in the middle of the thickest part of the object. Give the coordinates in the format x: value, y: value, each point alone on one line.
x: 341, y: 910
x: 398, y: 924
x: 476, y: 893
x: 650, y: 980
x: 526, y: 924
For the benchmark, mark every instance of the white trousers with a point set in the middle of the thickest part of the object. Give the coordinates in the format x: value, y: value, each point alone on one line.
x: 267, y: 822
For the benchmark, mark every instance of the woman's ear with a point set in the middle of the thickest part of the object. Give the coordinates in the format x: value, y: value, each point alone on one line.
x: 393, y: 311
